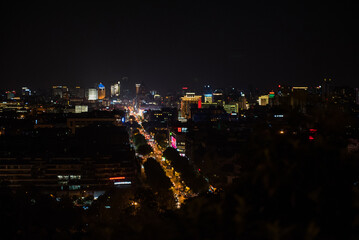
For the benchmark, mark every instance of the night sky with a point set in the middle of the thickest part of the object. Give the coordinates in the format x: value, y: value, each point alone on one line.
x: 168, y: 44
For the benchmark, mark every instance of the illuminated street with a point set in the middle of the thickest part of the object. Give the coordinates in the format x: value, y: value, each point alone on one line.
x: 180, y: 191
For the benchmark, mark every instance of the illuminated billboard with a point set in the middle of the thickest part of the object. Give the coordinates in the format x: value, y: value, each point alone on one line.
x: 120, y: 181
x: 173, y: 142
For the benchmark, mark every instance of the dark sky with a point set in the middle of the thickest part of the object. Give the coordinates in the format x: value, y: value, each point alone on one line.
x: 167, y: 44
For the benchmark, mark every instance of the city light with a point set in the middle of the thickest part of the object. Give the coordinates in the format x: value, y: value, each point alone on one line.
x: 117, y: 178
x: 122, y: 183
x: 130, y: 120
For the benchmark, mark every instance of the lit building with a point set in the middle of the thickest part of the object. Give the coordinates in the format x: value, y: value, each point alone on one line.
x: 187, y: 102
x: 59, y: 91
x: 67, y: 175
x: 138, y: 86
x: 231, y: 108
x: 92, y: 94
x: 115, y: 89
x: 263, y: 100
x: 164, y: 115
x: 208, y: 94
x: 208, y: 98
x: 217, y: 96
x: 81, y: 108
x: 25, y: 91
x: 101, y: 91
x: 10, y: 94
x: 177, y: 139
x: 299, y: 97
x: 157, y: 97
x: 326, y: 89
x: 12, y: 106
x: 242, y: 103
x: 209, y: 105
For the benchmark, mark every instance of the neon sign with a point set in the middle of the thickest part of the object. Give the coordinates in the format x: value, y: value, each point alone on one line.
x: 173, y: 142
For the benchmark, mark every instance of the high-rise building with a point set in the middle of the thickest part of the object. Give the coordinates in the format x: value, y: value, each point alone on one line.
x: 59, y: 91
x: 208, y: 94
x: 326, y: 89
x: 189, y: 101
x: 101, y: 91
x: 263, y: 100
x: 138, y: 87
x: 125, y: 91
x: 231, y: 108
x: 208, y: 98
x: 242, y: 103
x: 92, y: 94
x: 115, y: 89
x: 217, y: 96
x: 81, y: 108
x: 299, y: 97
x: 76, y: 92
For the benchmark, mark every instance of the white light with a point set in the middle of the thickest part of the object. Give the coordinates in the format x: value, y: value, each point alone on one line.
x: 122, y: 183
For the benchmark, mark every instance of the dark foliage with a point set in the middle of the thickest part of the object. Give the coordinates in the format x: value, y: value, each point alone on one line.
x: 156, y: 177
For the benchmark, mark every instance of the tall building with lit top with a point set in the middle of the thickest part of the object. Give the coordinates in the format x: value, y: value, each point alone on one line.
x: 208, y: 94
x: 326, y: 89
x: 138, y: 87
x: 101, y: 91
x: 189, y: 101
x: 263, y: 100
x: 299, y: 98
x: 115, y: 89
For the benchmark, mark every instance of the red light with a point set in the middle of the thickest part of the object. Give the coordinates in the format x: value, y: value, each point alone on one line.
x: 311, y: 138
x: 179, y: 129
x: 279, y: 86
x: 199, y: 169
x: 117, y: 178
x: 312, y: 130
x: 199, y: 103
x: 185, y: 88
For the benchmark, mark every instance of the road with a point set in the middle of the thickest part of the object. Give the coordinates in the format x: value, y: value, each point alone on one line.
x: 180, y: 191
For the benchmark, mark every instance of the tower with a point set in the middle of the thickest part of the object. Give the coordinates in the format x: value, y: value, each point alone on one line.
x: 189, y: 101
x: 101, y: 91
x: 326, y: 89
x: 115, y: 89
